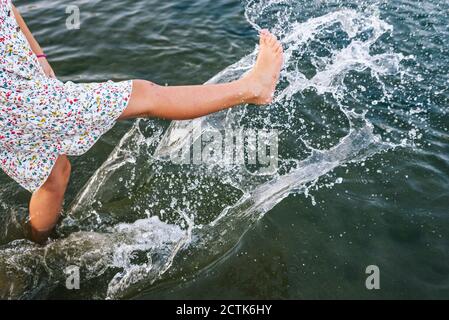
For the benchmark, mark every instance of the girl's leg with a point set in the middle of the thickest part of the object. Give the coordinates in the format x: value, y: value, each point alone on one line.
x: 46, y: 203
x: 188, y: 102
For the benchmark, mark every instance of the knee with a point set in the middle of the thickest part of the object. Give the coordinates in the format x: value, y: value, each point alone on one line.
x: 142, y: 99
x: 144, y: 84
x: 144, y: 89
x: 60, y: 176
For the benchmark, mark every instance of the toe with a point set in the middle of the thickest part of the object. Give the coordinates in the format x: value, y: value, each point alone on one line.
x: 279, y: 48
x: 264, y: 33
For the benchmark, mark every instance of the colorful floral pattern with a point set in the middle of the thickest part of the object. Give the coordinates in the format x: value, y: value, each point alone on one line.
x: 42, y: 118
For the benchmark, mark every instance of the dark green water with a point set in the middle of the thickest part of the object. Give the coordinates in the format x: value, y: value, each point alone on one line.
x: 375, y: 200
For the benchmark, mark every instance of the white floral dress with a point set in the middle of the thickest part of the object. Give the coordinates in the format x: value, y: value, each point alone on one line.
x: 43, y: 118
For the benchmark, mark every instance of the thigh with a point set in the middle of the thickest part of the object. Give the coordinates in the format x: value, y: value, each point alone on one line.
x: 141, y: 102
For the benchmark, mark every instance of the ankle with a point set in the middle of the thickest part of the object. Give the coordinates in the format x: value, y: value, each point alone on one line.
x: 247, y: 91
x: 41, y: 236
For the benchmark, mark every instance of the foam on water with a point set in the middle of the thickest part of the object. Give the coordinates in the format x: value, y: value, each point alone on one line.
x: 142, y: 218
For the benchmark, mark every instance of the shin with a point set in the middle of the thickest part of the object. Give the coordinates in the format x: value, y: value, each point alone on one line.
x: 46, y: 202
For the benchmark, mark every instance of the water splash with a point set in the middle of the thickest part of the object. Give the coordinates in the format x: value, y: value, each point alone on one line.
x: 142, y: 219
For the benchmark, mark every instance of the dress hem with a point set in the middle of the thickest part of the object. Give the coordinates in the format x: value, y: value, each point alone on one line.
x: 113, y: 122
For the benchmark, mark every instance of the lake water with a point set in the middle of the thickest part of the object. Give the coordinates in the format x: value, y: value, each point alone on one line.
x: 362, y: 179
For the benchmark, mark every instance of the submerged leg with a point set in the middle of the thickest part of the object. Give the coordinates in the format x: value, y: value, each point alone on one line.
x: 46, y: 202
x: 188, y: 102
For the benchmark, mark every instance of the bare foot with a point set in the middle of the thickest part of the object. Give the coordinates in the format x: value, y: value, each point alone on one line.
x: 263, y: 78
